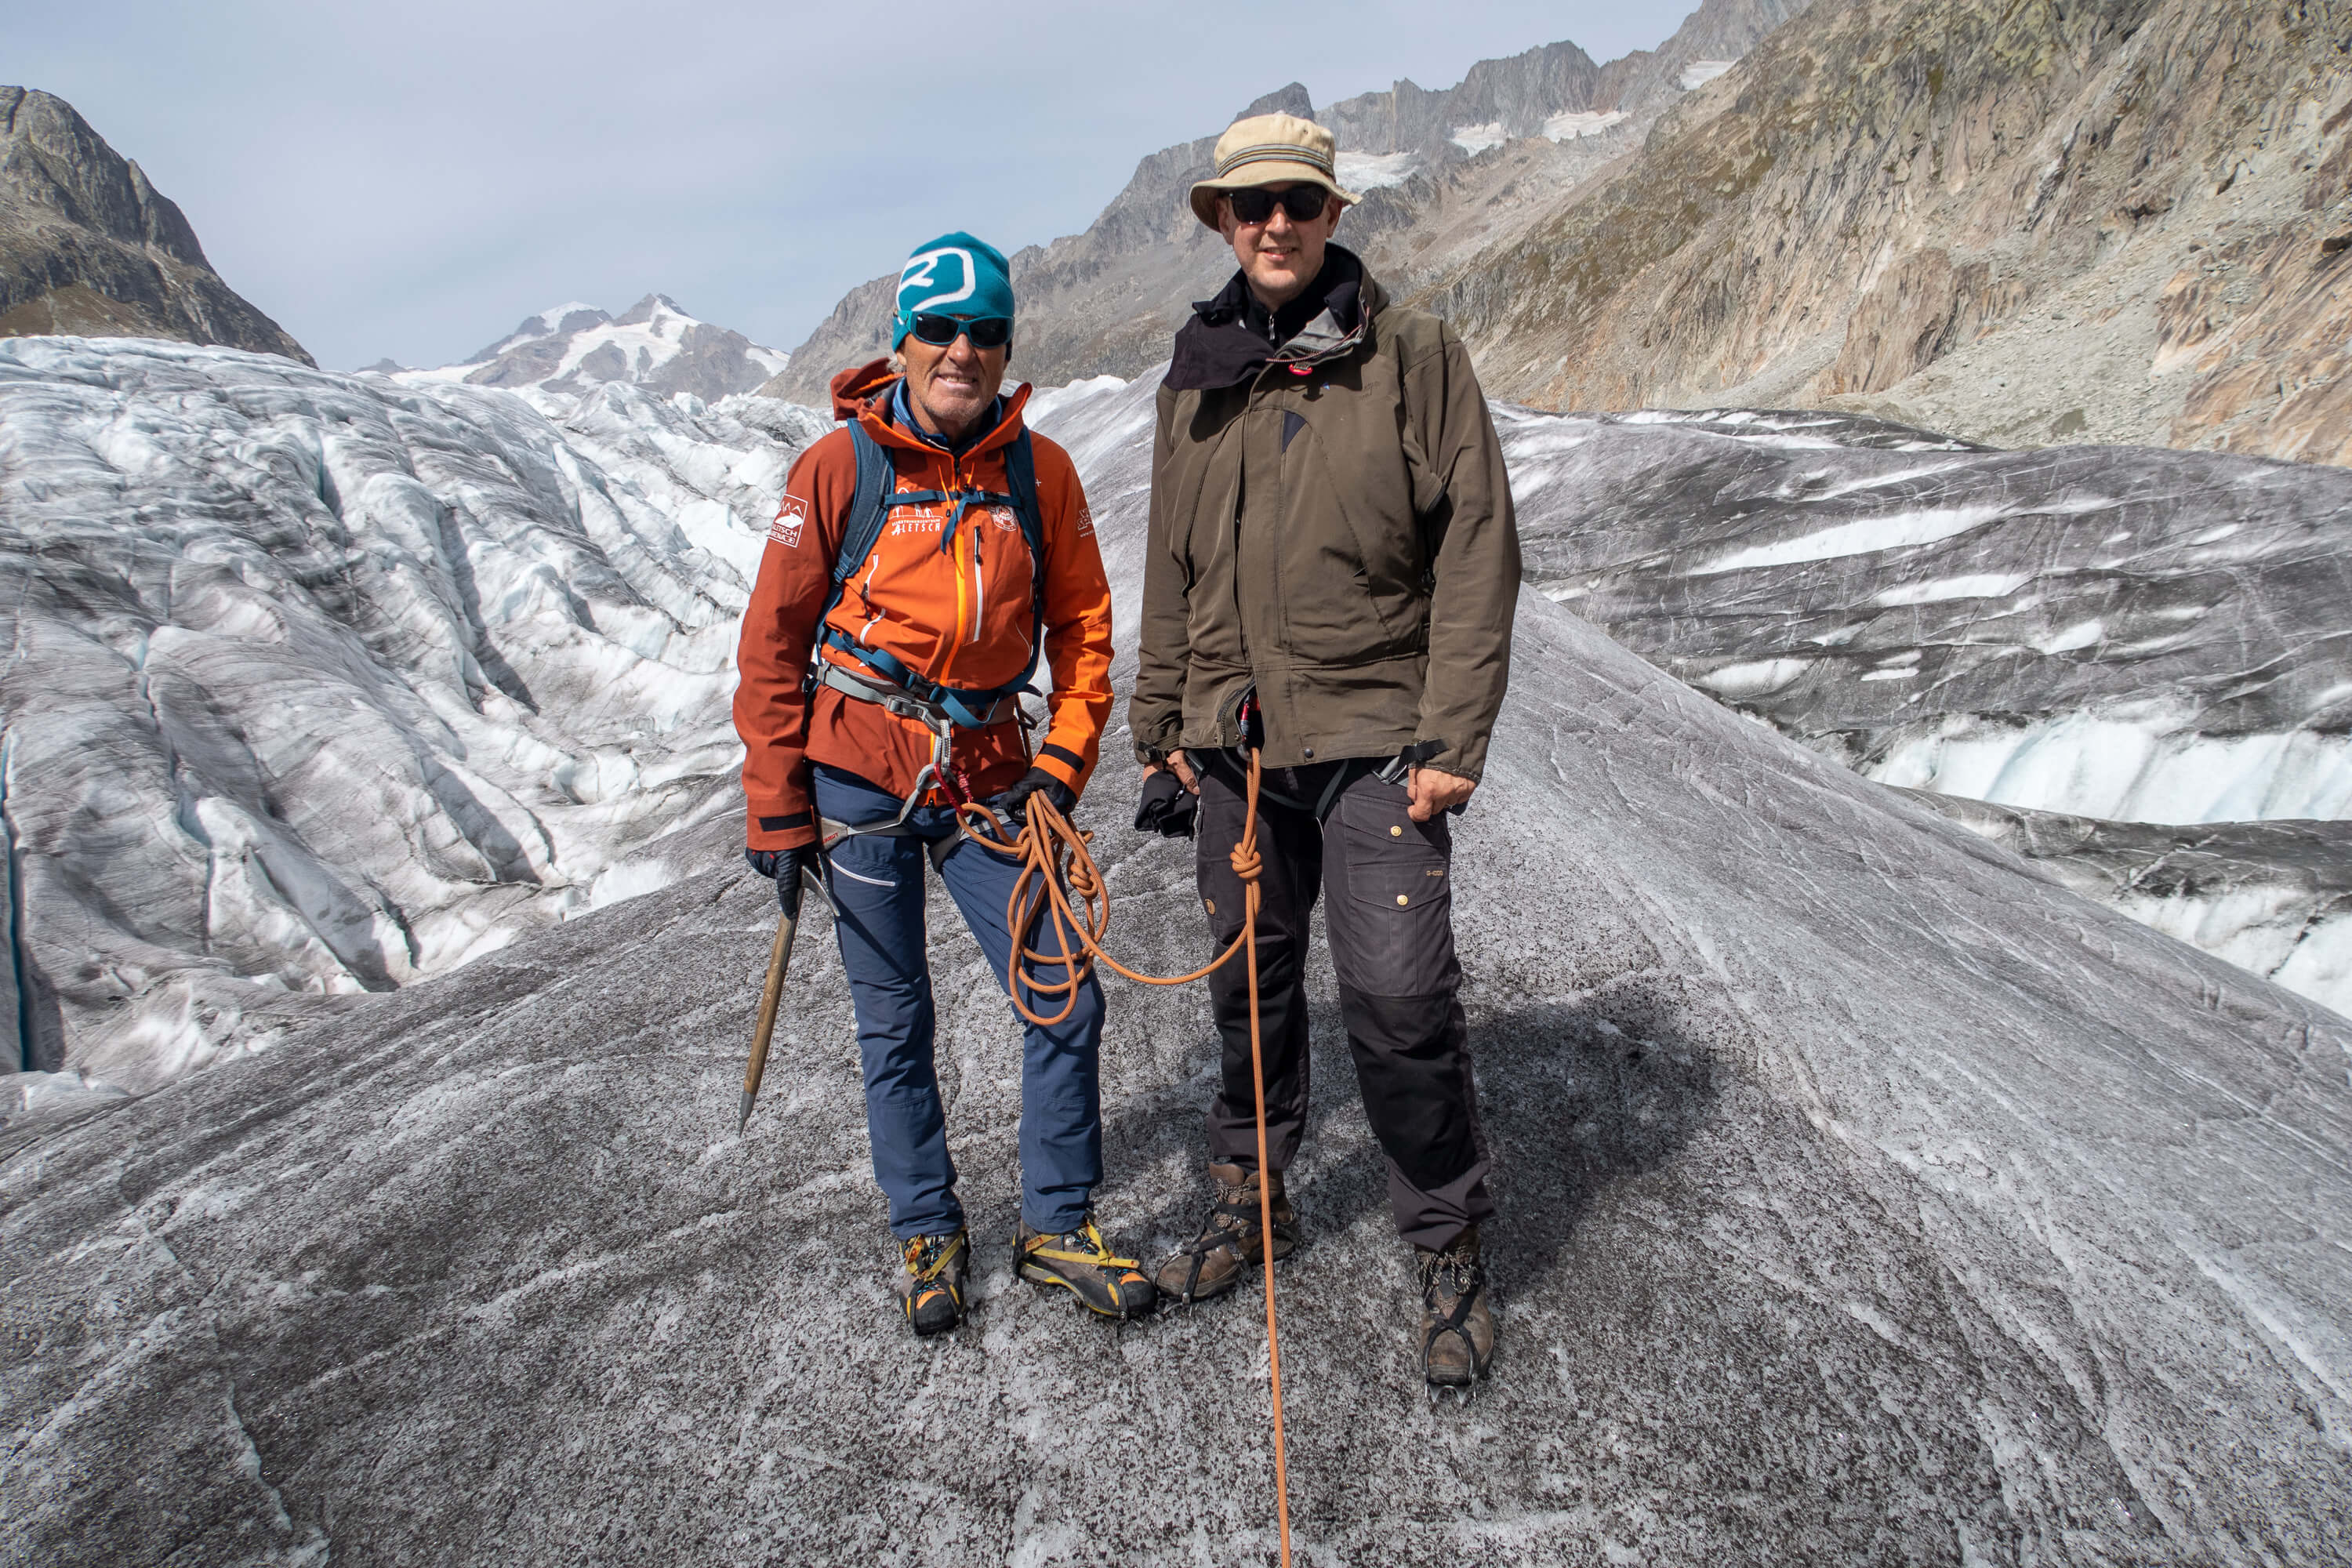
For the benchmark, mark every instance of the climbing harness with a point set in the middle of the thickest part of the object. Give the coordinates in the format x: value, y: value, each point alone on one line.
x: 872, y: 500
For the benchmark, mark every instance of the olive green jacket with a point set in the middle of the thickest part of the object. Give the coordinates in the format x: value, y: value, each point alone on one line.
x: 1335, y: 531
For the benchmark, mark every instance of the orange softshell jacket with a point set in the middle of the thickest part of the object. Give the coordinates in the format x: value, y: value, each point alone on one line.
x: 961, y: 615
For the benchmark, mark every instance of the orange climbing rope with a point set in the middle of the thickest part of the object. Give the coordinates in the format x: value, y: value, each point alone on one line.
x: 1055, y: 868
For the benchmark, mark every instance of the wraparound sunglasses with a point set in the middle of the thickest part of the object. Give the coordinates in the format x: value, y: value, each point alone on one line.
x: 985, y: 331
x: 1255, y: 204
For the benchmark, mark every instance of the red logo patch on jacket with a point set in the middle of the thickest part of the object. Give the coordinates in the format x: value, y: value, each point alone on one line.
x: 786, y: 529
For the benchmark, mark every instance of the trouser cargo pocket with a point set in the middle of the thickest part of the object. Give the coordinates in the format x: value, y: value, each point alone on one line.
x: 1391, y: 886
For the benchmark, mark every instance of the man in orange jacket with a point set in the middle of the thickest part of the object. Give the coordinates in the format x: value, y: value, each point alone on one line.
x: 924, y: 555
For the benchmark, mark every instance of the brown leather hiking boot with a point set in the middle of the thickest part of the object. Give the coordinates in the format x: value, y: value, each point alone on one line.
x: 1229, y: 1245
x: 1081, y: 1262
x: 1457, y: 1325
x: 932, y: 1286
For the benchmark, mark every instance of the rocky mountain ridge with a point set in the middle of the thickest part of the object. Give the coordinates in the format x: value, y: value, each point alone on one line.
x: 2119, y: 221
x: 89, y: 248
x: 1440, y: 171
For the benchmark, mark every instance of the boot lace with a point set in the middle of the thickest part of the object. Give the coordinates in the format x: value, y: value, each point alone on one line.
x: 1453, y: 1273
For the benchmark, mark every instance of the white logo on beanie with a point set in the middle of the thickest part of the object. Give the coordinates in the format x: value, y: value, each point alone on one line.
x: 921, y: 272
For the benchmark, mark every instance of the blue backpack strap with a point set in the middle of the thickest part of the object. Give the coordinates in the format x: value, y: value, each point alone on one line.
x: 1020, y: 478
x: 862, y: 530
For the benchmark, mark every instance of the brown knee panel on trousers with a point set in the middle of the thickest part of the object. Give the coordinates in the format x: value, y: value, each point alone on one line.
x: 1390, y: 916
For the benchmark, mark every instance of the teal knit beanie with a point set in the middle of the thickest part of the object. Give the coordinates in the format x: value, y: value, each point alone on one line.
x: 954, y: 275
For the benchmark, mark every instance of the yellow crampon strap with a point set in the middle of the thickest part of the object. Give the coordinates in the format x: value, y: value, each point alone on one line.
x: 1100, y: 1257
x: 938, y: 1266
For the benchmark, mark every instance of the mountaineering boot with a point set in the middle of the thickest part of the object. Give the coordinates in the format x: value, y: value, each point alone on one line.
x: 931, y: 1288
x: 1230, y: 1243
x: 1080, y: 1262
x: 1457, y: 1325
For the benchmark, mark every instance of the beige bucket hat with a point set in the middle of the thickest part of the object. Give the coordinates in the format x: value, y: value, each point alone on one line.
x: 1270, y: 150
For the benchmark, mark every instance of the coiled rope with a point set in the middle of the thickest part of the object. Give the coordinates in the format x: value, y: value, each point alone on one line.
x: 1056, y: 868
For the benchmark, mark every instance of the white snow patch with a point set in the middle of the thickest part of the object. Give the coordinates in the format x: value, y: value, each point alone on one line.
x: 629, y: 879
x: 1698, y: 73
x: 1736, y: 681
x: 1981, y: 585
x: 1371, y: 171
x: 551, y: 319
x: 1476, y: 139
x: 1576, y: 123
x: 2130, y: 765
x: 1049, y: 402
x: 2081, y: 635
x: 1861, y: 537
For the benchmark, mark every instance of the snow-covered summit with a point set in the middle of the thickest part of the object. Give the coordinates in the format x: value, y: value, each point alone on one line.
x: 575, y: 347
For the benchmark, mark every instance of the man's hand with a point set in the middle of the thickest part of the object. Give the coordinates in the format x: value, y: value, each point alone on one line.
x: 1431, y: 791
x: 1015, y: 802
x: 785, y: 867
x: 1175, y: 764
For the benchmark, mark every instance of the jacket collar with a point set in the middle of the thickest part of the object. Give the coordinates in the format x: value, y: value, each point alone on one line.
x: 868, y: 392
x: 1232, y: 337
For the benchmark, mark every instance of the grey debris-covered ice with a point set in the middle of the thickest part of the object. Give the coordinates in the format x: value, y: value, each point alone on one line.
x: 2113, y: 632
x: 1866, y: 1197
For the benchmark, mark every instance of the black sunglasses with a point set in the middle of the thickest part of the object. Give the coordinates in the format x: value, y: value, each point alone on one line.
x: 1255, y: 204
x: 985, y: 331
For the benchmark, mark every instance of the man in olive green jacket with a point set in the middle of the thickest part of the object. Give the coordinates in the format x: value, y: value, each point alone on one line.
x: 1330, y: 578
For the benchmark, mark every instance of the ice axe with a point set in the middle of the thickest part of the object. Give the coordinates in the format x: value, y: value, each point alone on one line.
x: 780, y: 958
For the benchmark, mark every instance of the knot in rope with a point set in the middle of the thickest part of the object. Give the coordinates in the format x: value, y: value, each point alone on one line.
x: 1085, y: 880
x: 1245, y: 862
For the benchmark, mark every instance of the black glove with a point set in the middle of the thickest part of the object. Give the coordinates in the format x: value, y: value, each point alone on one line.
x: 1166, y: 807
x: 1014, y: 803
x: 788, y: 868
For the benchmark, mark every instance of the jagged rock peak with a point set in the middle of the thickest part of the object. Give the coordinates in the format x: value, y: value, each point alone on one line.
x: 1443, y: 170
x: 89, y: 247
x: 1291, y: 99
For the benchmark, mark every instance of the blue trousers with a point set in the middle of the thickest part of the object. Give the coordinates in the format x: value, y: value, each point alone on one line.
x: 877, y: 888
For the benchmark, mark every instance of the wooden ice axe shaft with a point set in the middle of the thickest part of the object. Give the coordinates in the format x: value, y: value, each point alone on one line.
x: 780, y: 959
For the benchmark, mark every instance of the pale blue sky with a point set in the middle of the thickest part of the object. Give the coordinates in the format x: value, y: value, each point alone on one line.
x: 412, y: 180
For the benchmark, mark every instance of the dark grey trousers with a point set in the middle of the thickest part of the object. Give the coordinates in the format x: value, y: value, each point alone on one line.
x: 1390, y: 916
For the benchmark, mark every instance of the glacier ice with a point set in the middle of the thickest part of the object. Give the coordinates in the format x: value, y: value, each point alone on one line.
x: 1867, y: 1196
x: 319, y: 683
x: 2148, y: 635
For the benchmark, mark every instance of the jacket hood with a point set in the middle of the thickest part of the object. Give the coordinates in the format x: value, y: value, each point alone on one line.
x: 1220, y: 347
x: 855, y: 387
x: 864, y: 394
